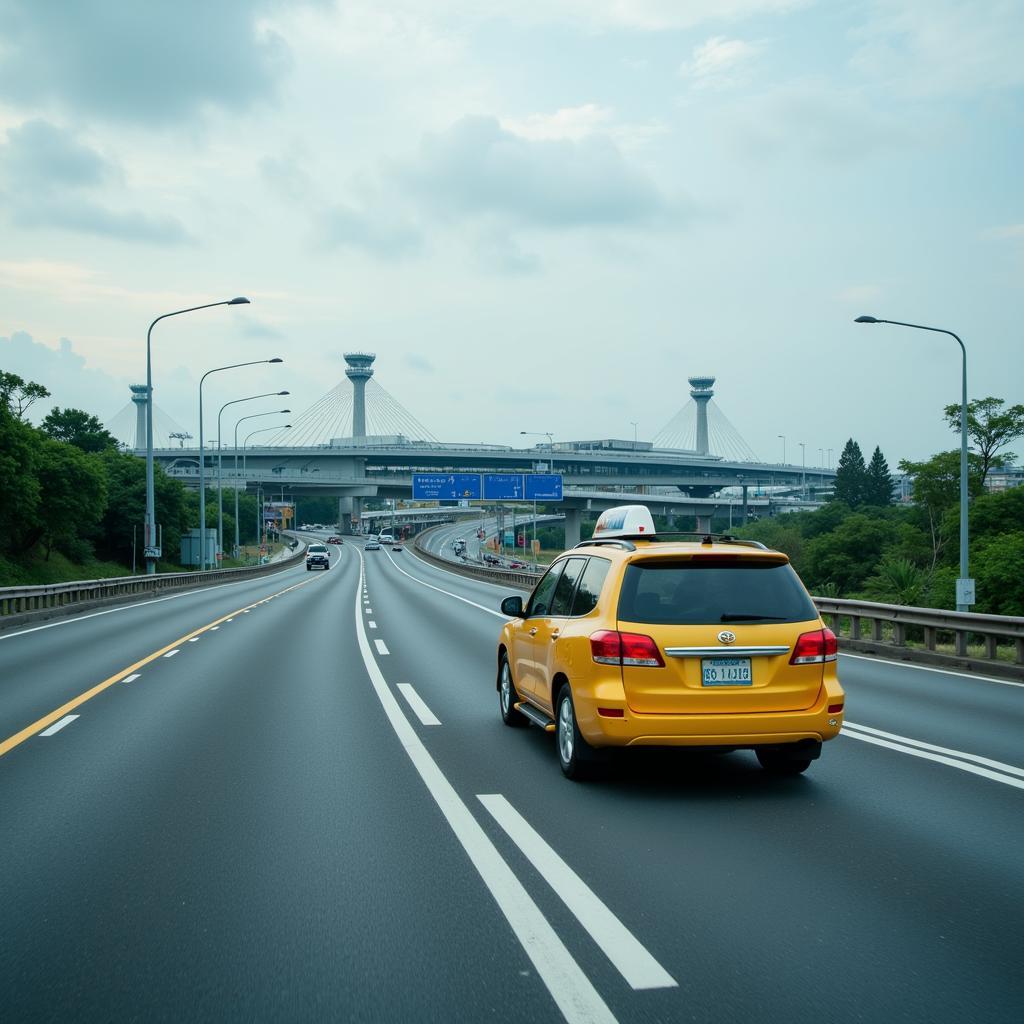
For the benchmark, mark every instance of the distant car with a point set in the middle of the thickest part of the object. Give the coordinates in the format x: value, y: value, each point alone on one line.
x: 386, y: 538
x: 396, y: 546
x: 317, y: 557
x: 372, y: 545
x: 492, y: 559
x: 517, y: 565
x: 333, y: 540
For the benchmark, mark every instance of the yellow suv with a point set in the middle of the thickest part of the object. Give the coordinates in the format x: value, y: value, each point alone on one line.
x: 635, y: 639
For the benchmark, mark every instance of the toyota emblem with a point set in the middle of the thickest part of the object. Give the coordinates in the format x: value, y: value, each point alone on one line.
x: 726, y: 637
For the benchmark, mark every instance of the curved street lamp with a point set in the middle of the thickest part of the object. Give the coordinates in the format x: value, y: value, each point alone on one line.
x: 202, y: 450
x: 151, y: 550
x: 964, y: 585
x: 259, y: 503
x: 255, y: 415
x: 220, y: 486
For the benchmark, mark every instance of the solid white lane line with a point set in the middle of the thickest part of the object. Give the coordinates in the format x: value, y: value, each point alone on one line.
x: 1000, y: 766
x: 964, y: 766
x: 930, y: 668
x: 171, y: 654
x: 616, y: 941
x: 570, y: 988
x: 131, y: 678
x: 381, y: 647
x: 415, y: 701
x: 448, y: 593
x: 57, y: 726
x: 372, y: 624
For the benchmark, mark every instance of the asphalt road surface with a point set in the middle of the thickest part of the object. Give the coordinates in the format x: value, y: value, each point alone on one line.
x: 292, y: 799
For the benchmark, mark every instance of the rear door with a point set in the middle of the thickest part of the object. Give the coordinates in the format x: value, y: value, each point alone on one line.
x: 725, y: 625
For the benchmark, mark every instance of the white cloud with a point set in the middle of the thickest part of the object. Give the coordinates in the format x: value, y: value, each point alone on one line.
x: 1005, y: 232
x: 568, y: 123
x: 719, y: 62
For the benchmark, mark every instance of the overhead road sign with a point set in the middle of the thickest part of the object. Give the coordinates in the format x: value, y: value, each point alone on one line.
x: 544, y: 487
x: 445, y: 486
x: 503, y: 487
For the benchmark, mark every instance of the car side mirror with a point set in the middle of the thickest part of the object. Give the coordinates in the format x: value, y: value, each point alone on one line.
x: 512, y: 607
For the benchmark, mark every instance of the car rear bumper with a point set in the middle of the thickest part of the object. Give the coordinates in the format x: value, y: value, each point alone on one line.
x: 718, y: 730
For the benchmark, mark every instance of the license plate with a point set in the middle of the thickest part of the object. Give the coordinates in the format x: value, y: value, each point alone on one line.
x: 726, y: 672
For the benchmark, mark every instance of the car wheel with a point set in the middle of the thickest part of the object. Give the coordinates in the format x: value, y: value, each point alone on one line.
x: 578, y: 759
x: 507, y: 696
x: 778, y: 763
x: 309, y: 568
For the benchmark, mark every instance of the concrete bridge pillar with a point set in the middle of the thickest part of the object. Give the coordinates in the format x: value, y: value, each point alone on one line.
x: 572, y: 527
x: 357, y: 513
x: 345, y: 514
x: 703, y: 522
x: 743, y: 521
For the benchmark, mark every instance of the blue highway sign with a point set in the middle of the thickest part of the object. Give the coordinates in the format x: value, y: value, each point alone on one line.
x: 544, y: 487
x: 503, y: 486
x: 445, y: 486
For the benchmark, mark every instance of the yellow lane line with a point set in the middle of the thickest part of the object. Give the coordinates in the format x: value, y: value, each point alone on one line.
x: 19, y: 737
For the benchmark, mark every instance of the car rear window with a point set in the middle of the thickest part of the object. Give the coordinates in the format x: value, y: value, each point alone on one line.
x: 712, y: 590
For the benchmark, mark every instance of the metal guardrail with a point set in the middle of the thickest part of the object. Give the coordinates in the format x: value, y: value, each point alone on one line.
x: 511, y: 577
x: 26, y: 602
x: 933, y: 624
x: 870, y: 627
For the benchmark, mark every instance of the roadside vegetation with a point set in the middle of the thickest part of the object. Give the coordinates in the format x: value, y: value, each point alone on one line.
x: 72, y: 501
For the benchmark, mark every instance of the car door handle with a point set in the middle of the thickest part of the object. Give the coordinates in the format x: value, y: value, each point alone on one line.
x: 533, y: 631
x: 554, y: 634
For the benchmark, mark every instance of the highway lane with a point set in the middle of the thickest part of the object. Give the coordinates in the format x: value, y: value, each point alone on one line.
x: 44, y: 665
x: 238, y: 835
x: 247, y: 832
x: 880, y: 886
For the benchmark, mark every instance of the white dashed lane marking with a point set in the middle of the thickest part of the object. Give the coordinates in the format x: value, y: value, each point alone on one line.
x: 57, y: 726
x: 415, y: 701
x: 381, y: 647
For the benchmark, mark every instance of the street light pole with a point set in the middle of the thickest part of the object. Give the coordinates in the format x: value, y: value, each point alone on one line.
x: 255, y: 415
x: 259, y: 487
x: 803, y: 470
x: 783, y: 437
x: 151, y: 550
x: 220, y: 484
x: 202, y: 451
x: 964, y: 585
x: 634, y: 422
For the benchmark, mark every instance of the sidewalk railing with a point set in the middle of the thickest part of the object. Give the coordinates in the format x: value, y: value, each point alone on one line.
x: 24, y: 602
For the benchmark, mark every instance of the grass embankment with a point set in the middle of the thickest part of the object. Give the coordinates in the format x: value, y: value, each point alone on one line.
x: 34, y: 570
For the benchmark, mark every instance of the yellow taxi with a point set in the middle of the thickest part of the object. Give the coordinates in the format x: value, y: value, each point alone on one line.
x: 639, y: 639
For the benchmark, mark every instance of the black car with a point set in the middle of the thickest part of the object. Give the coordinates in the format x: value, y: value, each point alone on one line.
x: 317, y: 557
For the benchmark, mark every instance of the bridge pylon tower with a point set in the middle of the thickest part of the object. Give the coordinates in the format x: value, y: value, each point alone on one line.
x: 702, y: 390
x: 359, y: 371
x: 140, y: 395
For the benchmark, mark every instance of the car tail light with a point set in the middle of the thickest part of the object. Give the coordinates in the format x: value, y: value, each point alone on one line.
x: 834, y: 709
x: 815, y: 647
x: 605, y: 647
x: 609, y: 647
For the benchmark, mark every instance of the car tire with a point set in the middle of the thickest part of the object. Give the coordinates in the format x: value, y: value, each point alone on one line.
x: 507, y: 696
x: 576, y: 757
x: 309, y: 568
x: 777, y: 762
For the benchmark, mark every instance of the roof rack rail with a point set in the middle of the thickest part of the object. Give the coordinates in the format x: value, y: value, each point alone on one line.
x: 714, y: 538
x: 614, y: 542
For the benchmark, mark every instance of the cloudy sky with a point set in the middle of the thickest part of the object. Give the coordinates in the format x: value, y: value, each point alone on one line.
x: 540, y: 215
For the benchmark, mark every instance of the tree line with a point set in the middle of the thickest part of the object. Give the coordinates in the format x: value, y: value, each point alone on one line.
x: 68, y: 486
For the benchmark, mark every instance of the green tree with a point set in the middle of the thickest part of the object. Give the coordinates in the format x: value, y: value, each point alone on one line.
x: 73, y: 498
x: 997, y: 563
x: 847, y: 555
x: 18, y: 394
x: 19, y: 482
x: 990, y: 427
x: 896, y: 581
x: 937, y: 492
x: 851, y: 476
x: 77, y: 427
x: 878, y: 481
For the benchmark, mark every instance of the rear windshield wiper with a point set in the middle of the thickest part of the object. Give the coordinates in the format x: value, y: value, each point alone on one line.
x: 739, y: 617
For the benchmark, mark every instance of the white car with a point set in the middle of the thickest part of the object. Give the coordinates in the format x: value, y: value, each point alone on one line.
x: 385, y: 538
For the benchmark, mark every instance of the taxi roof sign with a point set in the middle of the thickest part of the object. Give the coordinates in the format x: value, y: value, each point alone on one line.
x: 625, y: 521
